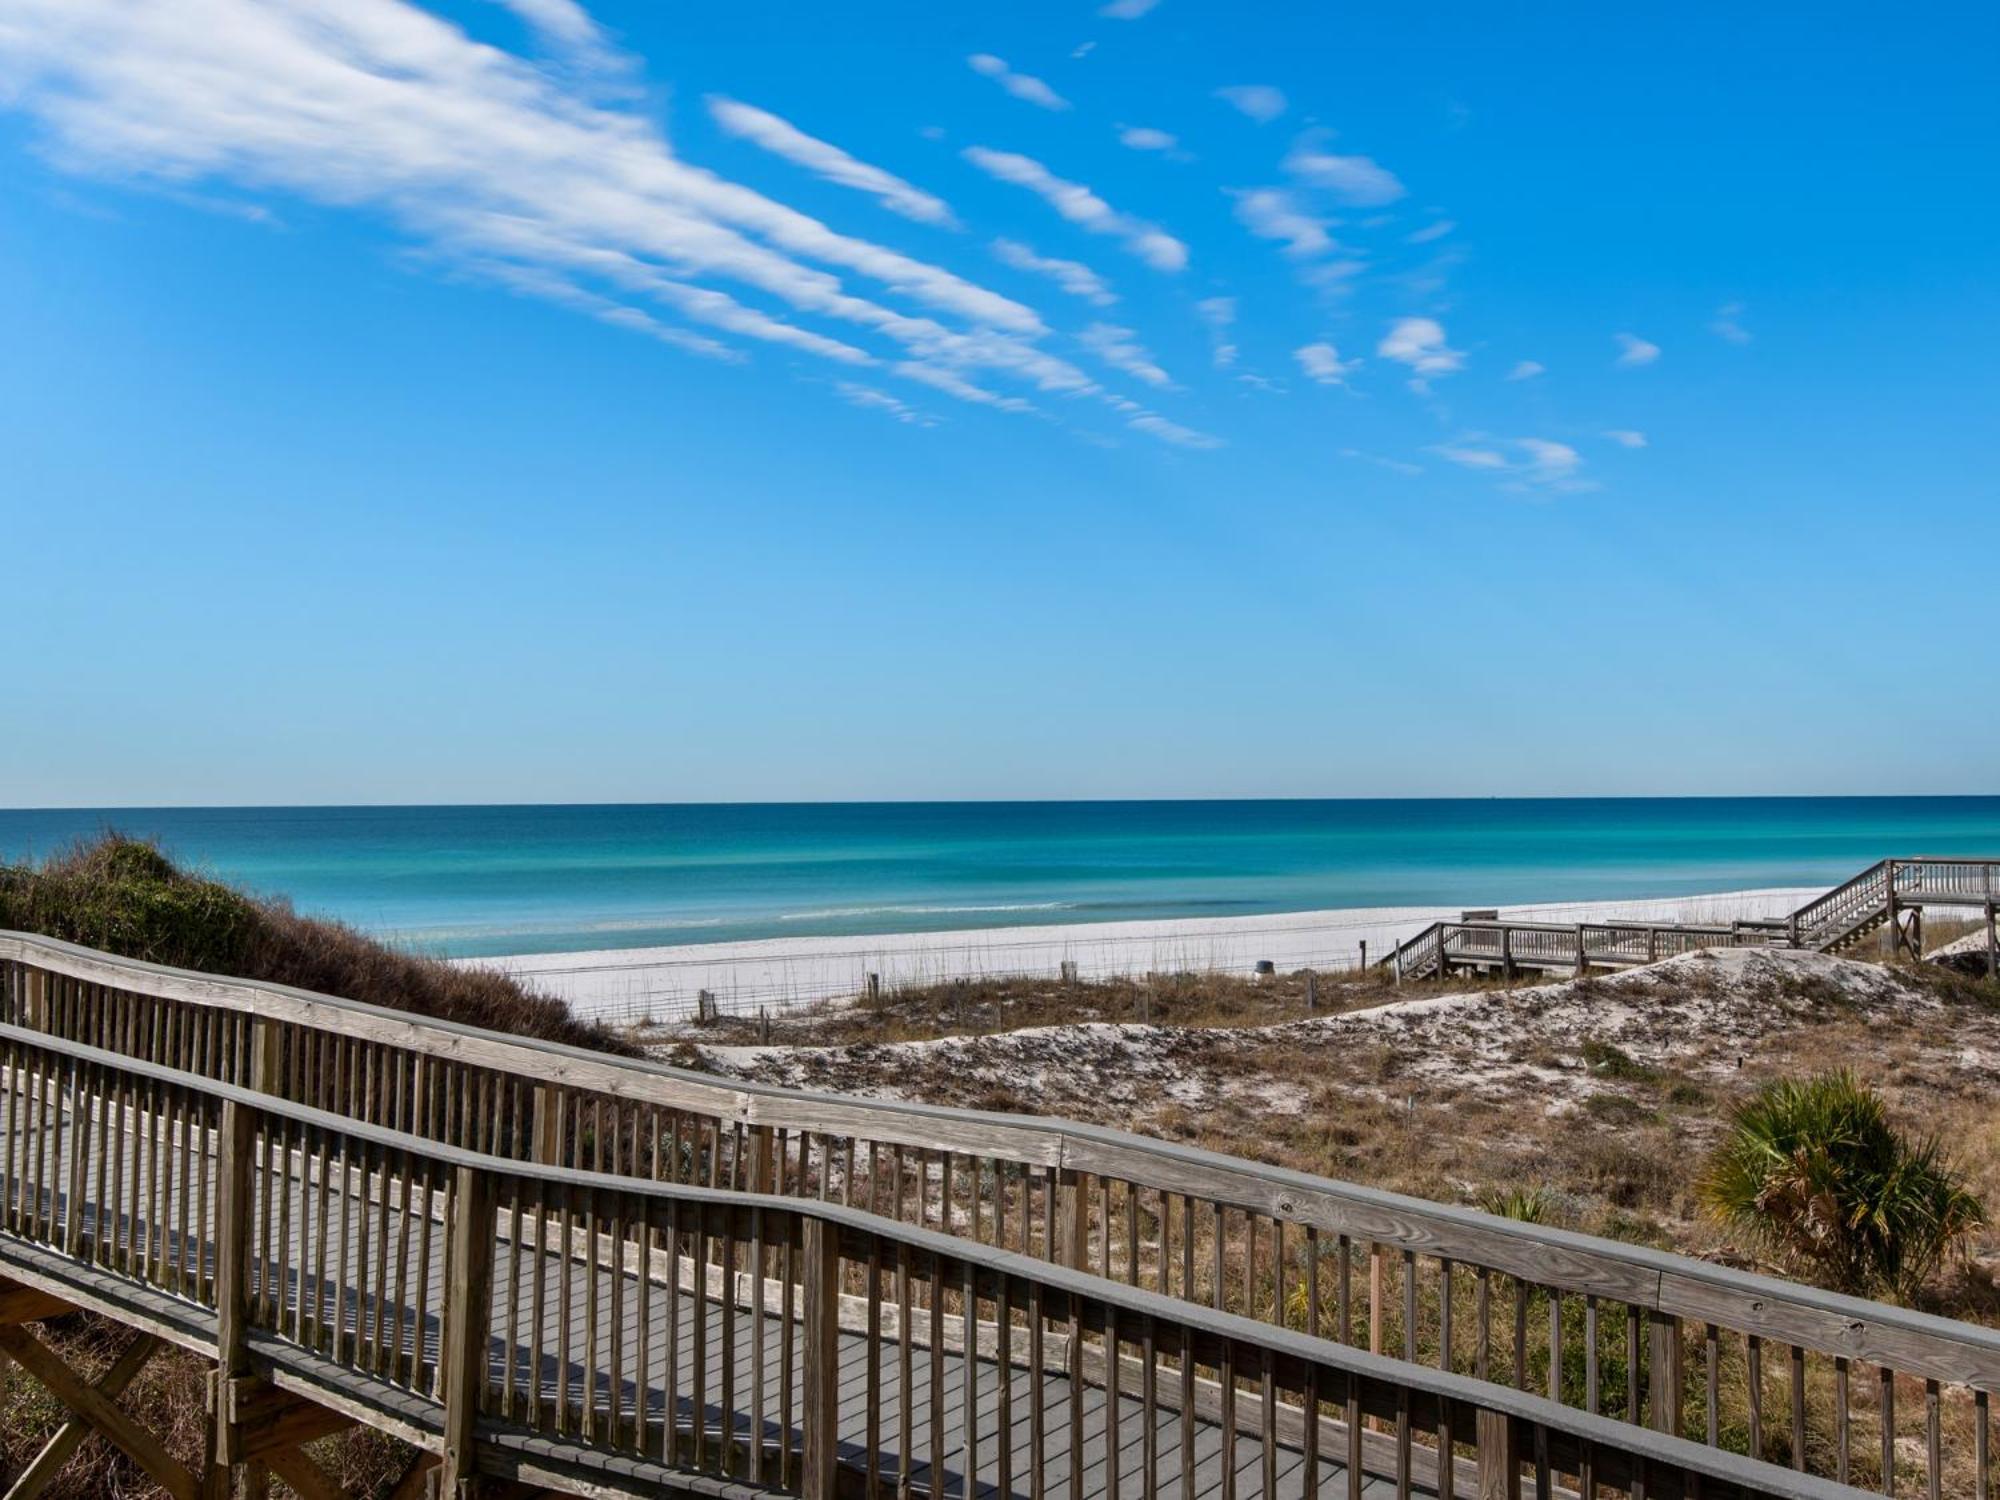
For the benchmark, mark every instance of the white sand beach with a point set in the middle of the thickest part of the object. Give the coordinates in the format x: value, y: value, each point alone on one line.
x: 631, y: 984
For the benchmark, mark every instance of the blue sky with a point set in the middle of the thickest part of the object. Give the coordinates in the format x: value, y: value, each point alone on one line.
x: 504, y: 401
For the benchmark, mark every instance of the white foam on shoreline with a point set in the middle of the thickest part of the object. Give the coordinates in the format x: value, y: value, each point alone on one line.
x: 662, y: 982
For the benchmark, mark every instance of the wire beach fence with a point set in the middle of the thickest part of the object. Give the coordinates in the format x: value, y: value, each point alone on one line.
x: 638, y: 986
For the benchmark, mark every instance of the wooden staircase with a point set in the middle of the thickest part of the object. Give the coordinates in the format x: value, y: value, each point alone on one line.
x: 1891, y: 893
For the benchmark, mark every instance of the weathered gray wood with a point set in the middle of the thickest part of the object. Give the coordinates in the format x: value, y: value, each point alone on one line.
x: 99, y: 1410
x: 465, y: 1355
x: 1499, y: 1456
x: 820, y: 1368
x: 236, y: 1143
x: 42, y: 1470
x: 1644, y: 1280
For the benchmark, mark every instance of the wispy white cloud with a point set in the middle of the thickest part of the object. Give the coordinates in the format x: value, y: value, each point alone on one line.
x: 516, y: 171
x: 1146, y: 138
x: 1728, y: 324
x: 566, y: 28
x: 1274, y: 214
x: 1022, y: 86
x: 1634, y: 351
x: 533, y: 281
x: 1429, y: 232
x: 1073, y: 276
x: 1394, y: 465
x: 1218, y: 314
x: 1358, y: 181
x: 1549, y: 464
x: 1527, y: 369
x: 1625, y: 437
x: 1174, y: 432
x: 1260, y: 101
x: 496, y: 165
x: 782, y: 138
x: 867, y: 397
x: 1528, y: 464
x: 1126, y: 10
x: 1121, y: 350
x: 1081, y: 206
x: 1420, y: 344
x: 953, y: 384
x: 1322, y: 362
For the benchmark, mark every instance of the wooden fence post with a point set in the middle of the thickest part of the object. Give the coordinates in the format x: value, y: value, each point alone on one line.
x: 1499, y: 1457
x: 819, y: 1470
x: 467, y: 1329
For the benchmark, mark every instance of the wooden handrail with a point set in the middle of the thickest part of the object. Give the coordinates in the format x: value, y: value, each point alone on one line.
x: 1654, y: 1280
x: 609, y: 1223
x: 1094, y: 1185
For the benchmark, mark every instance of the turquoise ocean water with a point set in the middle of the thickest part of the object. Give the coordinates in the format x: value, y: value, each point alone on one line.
x: 487, y: 880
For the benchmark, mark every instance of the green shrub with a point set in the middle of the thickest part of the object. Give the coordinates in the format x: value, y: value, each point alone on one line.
x: 1609, y: 1061
x: 1528, y: 1205
x: 1814, y: 1172
x: 122, y: 895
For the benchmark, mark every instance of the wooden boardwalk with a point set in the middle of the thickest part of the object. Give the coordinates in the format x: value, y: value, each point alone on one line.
x: 1891, y: 894
x: 551, y: 1271
x: 715, y: 1375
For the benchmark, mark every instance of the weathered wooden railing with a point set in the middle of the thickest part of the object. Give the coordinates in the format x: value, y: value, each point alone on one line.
x: 611, y: 1334
x: 1852, y: 908
x: 1854, y: 1390
x: 1505, y: 947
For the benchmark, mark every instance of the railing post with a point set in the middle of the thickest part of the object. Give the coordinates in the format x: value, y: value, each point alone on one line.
x: 545, y: 1143
x: 467, y: 1329
x: 1073, y: 1221
x: 1499, y: 1457
x: 819, y: 1472
x: 235, y: 1212
x: 235, y: 1151
x: 1663, y: 1354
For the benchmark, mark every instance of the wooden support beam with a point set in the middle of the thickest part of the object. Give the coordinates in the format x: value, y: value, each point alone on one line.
x: 57, y: 1451
x: 26, y: 1304
x: 100, y: 1412
x: 415, y: 1481
x: 307, y: 1479
x: 269, y: 1419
